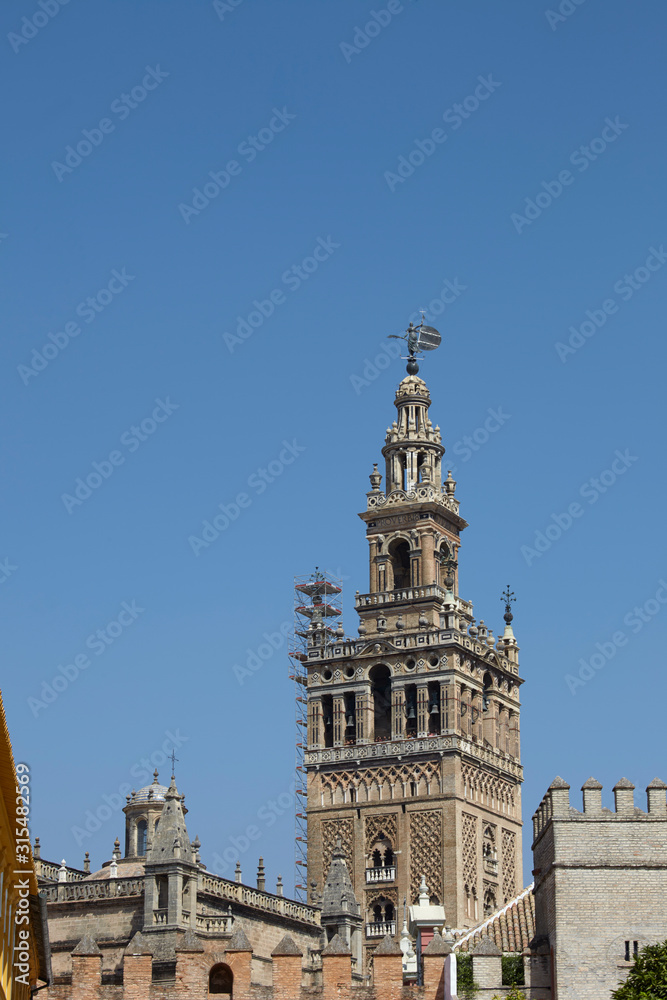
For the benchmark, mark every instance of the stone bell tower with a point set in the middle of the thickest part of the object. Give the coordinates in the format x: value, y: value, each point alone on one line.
x: 413, y: 756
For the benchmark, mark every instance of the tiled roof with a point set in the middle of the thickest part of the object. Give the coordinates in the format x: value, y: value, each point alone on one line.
x: 512, y: 927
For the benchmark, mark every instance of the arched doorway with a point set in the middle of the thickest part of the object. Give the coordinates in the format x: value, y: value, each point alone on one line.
x: 221, y: 980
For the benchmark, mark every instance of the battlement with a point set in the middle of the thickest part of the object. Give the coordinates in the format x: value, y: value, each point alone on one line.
x: 556, y: 804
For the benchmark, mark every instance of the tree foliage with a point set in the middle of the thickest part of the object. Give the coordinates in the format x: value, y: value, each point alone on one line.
x: 647, y: 979
x: 467, y: 988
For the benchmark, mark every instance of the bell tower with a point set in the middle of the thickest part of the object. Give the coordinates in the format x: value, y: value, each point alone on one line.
x: 413, y: 755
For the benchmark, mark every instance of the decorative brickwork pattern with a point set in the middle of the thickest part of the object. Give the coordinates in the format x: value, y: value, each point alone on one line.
x: 426, y: 853
x: 488, y: 790
x: 470, y: 850
x: 332, y: 829
x: 381, y: 783
x: 375, y: 825
x: 509, y: 864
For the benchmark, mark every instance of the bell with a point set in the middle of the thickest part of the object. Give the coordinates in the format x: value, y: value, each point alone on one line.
x: 411, y: 713
x: 327, y: 720
x: 434, y: 708
x: 349, y: 720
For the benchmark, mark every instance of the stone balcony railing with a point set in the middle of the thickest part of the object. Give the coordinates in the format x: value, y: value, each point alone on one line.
x: 400, y: 747
x: 432, y: 591
x: 207, y: 924
x: 108, y: 888
x: 385, y: 874
x: 380, y: 928
x: 239, y: 893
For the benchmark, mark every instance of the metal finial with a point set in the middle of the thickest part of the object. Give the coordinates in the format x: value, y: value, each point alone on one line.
x: 508, y: 597
x: 173, y: 758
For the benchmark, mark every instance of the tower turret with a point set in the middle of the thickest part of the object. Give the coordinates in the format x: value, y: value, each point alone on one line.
x: 414, y: 552
x: 413, y: 755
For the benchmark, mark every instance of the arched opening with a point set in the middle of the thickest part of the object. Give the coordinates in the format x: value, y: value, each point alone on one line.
x: 327, y: 720
x: 380, y: 678
x: 142, y: 837
x: 411, y: 710
x: 389, y: 912
x: 377, y: 859
x: 377, y: 914
x: 433, y: 709
x: 489, y: 902
x: 399, y: 553
x: 221, y: 980
x: 350, y: 717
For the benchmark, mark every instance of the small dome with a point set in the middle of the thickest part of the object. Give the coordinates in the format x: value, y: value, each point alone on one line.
x: 151, y: 793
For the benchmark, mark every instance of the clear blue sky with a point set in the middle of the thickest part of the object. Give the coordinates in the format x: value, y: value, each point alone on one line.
x: 305, y: 128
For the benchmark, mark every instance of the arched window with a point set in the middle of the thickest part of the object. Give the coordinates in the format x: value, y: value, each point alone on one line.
x: 380, y: 679
x: 221, y: 980
x: 142, y: 835
x: 377, y: 859
x: 399, y: 553
x: 377, y: 914
x: 389, y: 912
x: 489, y: 902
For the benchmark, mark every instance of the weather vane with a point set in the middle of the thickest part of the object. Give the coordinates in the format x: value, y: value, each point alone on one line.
x: 508, y: 596
x: 419, y: 338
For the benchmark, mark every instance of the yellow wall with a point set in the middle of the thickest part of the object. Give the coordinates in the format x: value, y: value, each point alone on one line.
x: 17, y: 878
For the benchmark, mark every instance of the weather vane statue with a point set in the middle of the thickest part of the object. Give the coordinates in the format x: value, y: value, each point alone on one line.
x: 419, y: 338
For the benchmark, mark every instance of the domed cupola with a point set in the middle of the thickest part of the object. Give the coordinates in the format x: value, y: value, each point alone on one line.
x: 142, y: 815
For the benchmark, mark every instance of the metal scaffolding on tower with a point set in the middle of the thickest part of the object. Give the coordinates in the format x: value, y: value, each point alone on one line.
x: 317, y: 599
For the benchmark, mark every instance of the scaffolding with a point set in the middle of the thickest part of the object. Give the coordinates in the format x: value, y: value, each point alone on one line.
x: 317, y: 599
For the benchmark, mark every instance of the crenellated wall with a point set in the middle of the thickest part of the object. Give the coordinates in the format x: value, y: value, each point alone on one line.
x: 600, y: 881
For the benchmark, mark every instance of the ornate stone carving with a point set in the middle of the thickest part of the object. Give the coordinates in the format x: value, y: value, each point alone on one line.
x: 381, y: 896
x: 426, y: 852
x: 375, y: 825
x: 332, y: 829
